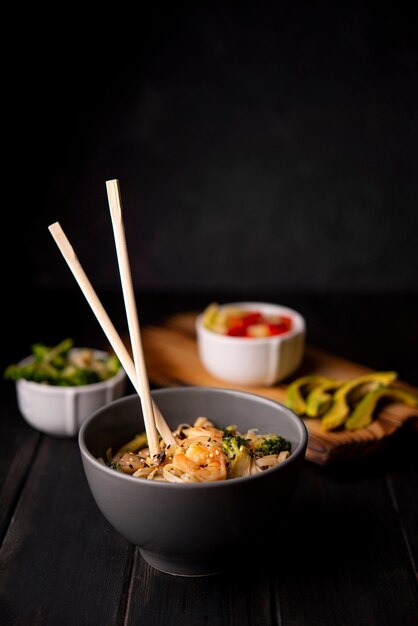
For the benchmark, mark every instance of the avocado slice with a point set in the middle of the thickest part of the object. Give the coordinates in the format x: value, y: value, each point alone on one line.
x: 319, y: 399
x: 297, y: 391
x: 340, y: 408
x: 363, y: 413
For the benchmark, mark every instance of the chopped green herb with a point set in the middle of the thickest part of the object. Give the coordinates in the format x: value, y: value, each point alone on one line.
x: 64, y: 366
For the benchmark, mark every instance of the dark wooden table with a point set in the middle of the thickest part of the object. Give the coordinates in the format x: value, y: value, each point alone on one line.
x: 345, y: 553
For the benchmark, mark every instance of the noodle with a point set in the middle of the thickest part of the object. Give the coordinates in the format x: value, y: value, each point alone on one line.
x: 202, y: 453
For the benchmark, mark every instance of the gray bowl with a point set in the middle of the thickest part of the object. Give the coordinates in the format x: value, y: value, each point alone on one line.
x: 184, y: 529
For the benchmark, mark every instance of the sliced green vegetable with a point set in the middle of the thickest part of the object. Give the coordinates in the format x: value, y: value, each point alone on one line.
x: 319, y: 399
x: 64, y: 367
x: 340, y: 408
x: 136, y: 444
x: 363, y: 413
x: 216, y: 318
x: 209, y: 315
x: 45, y: 353
x: 297, y: 392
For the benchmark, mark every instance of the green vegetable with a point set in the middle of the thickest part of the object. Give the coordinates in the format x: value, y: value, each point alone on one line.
x: 340, y: 408
x: 136, y: 444
x: 273, y: 444
x: 297, y: 392
x: 61, y: 366
x: 319, y: 399
x: 363, y: 413
x: 349, y: 403
x: 237, y: 450
x: 209, y: 315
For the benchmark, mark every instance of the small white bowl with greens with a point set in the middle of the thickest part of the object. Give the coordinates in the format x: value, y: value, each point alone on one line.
x: 59, y: 387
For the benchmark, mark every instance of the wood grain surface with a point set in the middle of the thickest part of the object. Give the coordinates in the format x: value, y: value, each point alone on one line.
x: 346, y: 549
x: 172, y: 359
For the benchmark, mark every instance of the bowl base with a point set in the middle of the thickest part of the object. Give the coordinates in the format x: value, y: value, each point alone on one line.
x: 179, y: 568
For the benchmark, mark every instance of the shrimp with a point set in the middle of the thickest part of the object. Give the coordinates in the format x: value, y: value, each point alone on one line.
x: 203, y: 462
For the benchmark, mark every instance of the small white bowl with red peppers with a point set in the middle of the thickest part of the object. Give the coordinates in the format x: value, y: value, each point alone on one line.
x: 251, y: 343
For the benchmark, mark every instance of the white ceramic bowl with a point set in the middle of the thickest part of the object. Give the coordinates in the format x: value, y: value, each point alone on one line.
x: 253, y: 361
x: 60, y: 411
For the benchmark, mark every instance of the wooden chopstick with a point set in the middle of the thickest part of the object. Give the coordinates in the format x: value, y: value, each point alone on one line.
x: 115, y: 206
x: 108, y: 328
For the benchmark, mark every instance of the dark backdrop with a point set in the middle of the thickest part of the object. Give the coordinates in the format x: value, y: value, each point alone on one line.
x: 270, y: 147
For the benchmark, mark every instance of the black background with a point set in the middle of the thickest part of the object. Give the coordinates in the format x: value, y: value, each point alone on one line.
x: 259, y: 148
x: 264, y: 152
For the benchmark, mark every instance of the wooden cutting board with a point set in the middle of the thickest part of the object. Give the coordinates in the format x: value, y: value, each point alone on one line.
x: 172, y: 359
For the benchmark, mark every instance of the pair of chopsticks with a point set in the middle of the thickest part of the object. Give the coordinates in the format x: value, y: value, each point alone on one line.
x: 136, y: 369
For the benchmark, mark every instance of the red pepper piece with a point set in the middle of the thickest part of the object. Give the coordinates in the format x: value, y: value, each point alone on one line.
x: 286, y: 320
x: 234, y: 322
x: 251, y: 318
x: 237, y: 331
x: 278, y: 329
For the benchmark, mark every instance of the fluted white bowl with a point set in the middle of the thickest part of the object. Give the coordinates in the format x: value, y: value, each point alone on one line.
x: 261, y: 361
x: 60, y: 411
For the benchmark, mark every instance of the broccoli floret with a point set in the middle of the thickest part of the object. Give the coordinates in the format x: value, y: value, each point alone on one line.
x: 274, y: 444
x: 237, y: 450
x: 232, y: 444
x: 229, y: 430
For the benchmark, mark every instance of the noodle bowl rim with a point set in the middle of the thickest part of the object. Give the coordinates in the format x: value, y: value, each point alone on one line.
x: 300, y: 448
